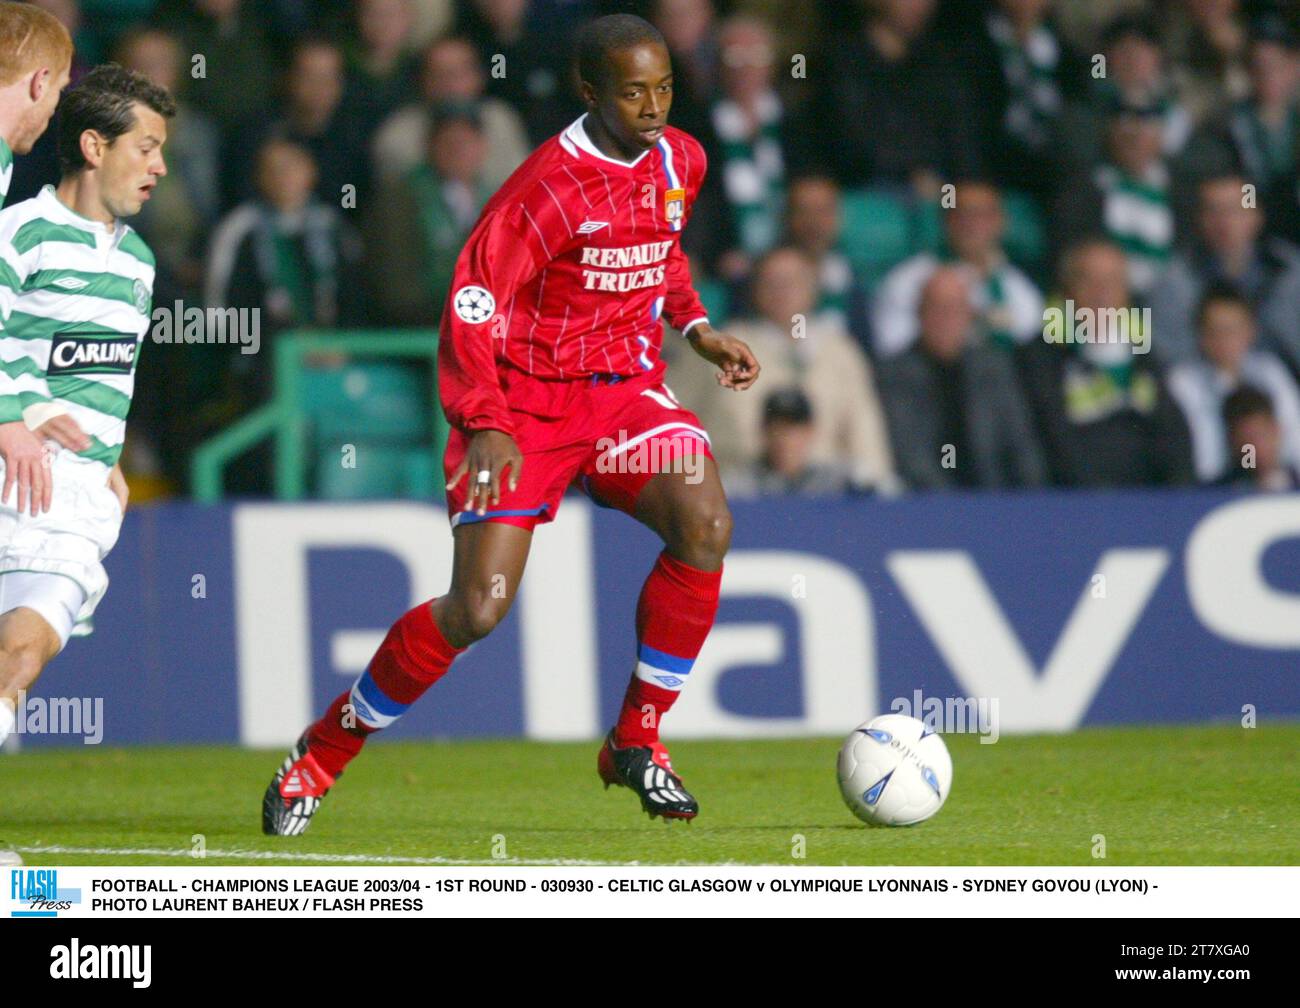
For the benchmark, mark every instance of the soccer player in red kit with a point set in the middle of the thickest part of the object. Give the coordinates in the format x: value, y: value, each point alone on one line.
x: 550, y: 375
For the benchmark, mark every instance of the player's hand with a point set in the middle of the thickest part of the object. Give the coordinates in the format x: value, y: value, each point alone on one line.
x: 65, y: 431
x: 490, y: 453
x: 27, y: 465
x: 739, y: 367
x: 117, y: 483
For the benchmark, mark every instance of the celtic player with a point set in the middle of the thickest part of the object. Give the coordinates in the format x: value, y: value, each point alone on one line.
x: 76, y: 286
x: 35, y: 58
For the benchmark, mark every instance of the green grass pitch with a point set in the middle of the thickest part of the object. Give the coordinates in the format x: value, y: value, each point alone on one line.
x: 1201, y: 795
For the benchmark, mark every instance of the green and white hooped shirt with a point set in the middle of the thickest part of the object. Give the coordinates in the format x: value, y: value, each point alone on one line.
x: 6, y: 169
x: 75, y: 299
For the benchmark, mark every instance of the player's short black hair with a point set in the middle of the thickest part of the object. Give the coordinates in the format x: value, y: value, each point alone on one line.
x: 1222, y: 291
x: 103, y: 101
x: 597, y: 39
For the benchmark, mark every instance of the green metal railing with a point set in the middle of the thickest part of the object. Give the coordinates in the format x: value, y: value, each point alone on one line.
x: 286, y: 418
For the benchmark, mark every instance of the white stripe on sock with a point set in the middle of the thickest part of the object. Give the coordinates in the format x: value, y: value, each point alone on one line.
x: 660, y: 677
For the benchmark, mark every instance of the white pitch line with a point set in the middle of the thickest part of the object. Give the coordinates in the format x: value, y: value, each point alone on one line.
x: 364, y: 859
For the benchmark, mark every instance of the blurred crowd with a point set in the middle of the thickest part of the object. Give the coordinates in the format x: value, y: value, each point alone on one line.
x: 901, y: 194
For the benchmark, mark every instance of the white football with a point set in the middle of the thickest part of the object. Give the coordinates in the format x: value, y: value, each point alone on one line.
x: 894, y: 771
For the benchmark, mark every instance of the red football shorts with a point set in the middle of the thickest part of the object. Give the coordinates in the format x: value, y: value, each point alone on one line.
x: 605, y: 434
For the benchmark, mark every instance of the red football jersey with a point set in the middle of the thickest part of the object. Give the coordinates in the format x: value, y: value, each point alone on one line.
x: 569, y: 272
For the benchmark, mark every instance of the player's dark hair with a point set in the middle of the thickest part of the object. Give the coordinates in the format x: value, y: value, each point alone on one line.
x: 597, y: 39
x: 104, y: 101
x: 1222, y: 291
x: 1246, y: 401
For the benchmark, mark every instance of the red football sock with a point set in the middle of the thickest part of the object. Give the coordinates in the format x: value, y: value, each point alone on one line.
x: 673, y: 617
x: 413, y: 657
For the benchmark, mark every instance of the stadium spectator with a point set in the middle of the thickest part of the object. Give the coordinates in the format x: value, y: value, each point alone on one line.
x: 1259, y: 136
x: 1008, y: 306
x: 432, y: 19
x: 1126, y: 198
x: 1137, y: 74
x: 40, y: 166
x: 888, y: 106
x: 785, y: 464
x: 1206, y: 43
x: 87, y: 43
x: 1084, y: 23
x: 529, y: 53
x: 420, y: 221
x: 382, y: 72
x: 284, y: 252
x: 799, y: 349
x: 689, y: 27
x: 1103, y: 412
x: 185, y: 203
x: 1020, y: 73
x: 814, y: 223
x: 451, y: 73
x: 316, y: 117
x: 1255, y: 439
x: 1229, y: 247
x: 749, y: 123
x: 955, y: 411
x: 1228, y: 360
x: 291, y: 260
x: 237, y: 69
x: 796, y: 23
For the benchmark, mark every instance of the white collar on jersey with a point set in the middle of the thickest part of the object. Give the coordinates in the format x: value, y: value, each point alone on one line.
x: 576, y: 136
x: 55, y: 209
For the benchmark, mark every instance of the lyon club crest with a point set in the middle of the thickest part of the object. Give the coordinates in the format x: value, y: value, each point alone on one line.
x: 675, y: 205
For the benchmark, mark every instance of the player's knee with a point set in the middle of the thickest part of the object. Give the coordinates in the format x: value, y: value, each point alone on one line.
x: 703, y: 534
x: 478, y: 614
x: 21, y: 659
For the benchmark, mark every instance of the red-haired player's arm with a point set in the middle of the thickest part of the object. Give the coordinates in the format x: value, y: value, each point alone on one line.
x: 507, y: 248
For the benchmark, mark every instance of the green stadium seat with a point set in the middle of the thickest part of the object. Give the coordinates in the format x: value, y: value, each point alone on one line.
x: 716, y: 300
x: 1026, y: 234
x: 929, y: 227
x: 382, y: 409
x: 381, y: 471
x: 878, y: 231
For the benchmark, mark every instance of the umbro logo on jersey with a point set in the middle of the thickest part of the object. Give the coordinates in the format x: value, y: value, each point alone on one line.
x: 91, y: 353
x: 71, y: 283
x: 591, y: 226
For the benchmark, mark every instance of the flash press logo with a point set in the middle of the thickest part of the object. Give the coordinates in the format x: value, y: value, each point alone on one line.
x: 76, y: 961
x: 37, y: 892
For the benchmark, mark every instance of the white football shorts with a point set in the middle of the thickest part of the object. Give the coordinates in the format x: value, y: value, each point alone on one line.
x: 61, y: 551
